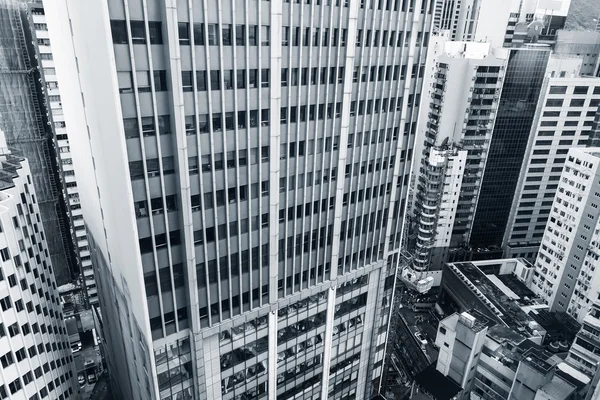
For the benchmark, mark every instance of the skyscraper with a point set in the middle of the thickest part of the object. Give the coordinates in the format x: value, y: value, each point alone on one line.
x: 68, y: 184
x: 566, y: 275
x: 34, y: 346
x: 243, y: 168
x: 25, y: 122
x: 522, y: 82
x: 565, y: 114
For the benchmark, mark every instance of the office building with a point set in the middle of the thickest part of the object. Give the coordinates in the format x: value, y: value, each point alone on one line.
x: 35, y: 353
x: 65, y: 163
x: 565, y: 269
x: 522, y: 83
x: 502, y: 23
x: 594, y: 135
x: 242, y: 171
x: 25, y: 122
x: 565, y: 115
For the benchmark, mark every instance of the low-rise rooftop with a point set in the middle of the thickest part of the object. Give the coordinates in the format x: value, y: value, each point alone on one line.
x: 504, y: 295
x: 437, y: 385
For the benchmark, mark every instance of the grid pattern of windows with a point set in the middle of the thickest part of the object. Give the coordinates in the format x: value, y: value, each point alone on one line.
x: 522, y: 85
x: 570, y: 127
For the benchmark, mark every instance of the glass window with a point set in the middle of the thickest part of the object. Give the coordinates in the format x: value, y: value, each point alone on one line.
x: 264, y: 35
x: 241, y: 78
x: 160, y: 81
x: 138, y: 32
x: 253, y: 79
x: 199, y: 34
x: 203, y: 125
x: 187, y: 81
x: 227, y: 33
x: 252, y: 33
x: 215, y: 79
x: 155, y: 28
x: 240, y: 35
x: 119, y: 31
x: 213, y: 34
x: 264, y: 78
x: 201, y: 80
x: 228, y: 79
x: 184, y: 33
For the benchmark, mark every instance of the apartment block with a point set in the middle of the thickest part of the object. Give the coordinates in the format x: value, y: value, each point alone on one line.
x: 438, y: 191
x: 68, y: 183
x: 565, y: 268
x: 464, y: 85
x: 565, y: 115
x: 34, y: 345
x: 243, y: 182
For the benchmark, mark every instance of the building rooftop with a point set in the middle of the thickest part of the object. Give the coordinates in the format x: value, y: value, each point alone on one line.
x: 436, y: 384
x: 503, y: 294
x: 536, y: 356
x: 557, y: 389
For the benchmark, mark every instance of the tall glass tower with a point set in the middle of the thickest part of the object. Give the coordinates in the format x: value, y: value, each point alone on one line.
x: 525, y: 71
x: 244, y: 168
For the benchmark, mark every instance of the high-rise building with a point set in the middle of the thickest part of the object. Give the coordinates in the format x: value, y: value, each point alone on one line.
x: 522, y: 83
x: 25, y: 122
x: 65, y: 164
x: 243, y: 169
x: 34, y: 345
x: 438, y: 191
x: 564, y: 117
x: 566, y: 275
x: 502, y: 23
x: 464, y: 86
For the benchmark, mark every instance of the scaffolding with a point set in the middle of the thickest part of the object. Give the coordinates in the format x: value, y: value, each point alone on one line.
x: 24, y: 120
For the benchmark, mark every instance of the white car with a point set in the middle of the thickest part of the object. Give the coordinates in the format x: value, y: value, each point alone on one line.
x: 81, y: 380
x: 421, y: 339
x: 75, y: 347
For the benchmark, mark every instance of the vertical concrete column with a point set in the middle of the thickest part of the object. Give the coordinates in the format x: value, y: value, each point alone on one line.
x: 331, y: 294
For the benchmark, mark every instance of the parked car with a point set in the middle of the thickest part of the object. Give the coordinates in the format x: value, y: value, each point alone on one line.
x: 421, y: 339
x: 91, y: 378
x: 75, y: 347
x: 81, y: 379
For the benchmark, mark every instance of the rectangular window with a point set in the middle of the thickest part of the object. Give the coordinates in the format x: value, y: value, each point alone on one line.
x: 227, y: 34
x: 252, y: 34
x: 265, y: 35
x: 199, y: 34
x: 184, y: 33
x: 213, y: 34
x: 240, y: 35
x: 264, y: 78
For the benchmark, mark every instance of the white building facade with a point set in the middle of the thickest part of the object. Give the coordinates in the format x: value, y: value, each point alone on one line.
x: 69, y: 182
x: 35, y: 354
x: 567, y: 259
x: 564, y: 118
x: 243, y: 187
